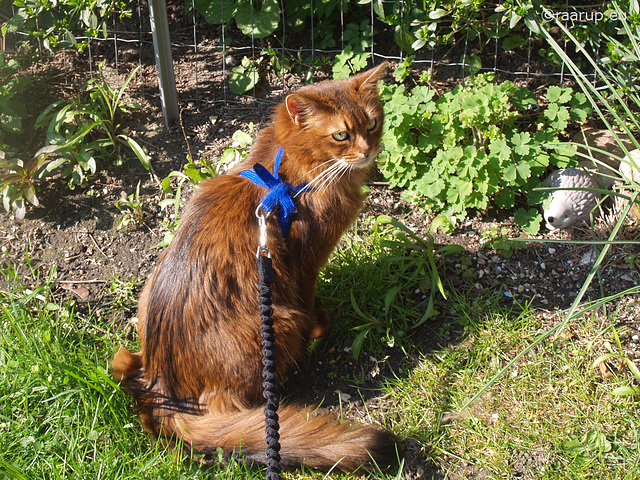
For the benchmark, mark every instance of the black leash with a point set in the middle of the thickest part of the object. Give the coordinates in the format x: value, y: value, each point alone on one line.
x: 279, y: 196
x: 269, y: 384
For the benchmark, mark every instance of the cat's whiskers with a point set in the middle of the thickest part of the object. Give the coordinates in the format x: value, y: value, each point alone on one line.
x: 309, y: 184
x: 319, y: 179
x: 336, y: 174
x: 322, y: 179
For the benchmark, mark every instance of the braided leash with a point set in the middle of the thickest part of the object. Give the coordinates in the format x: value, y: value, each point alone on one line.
x: 269, y: 384
x: 279, y: 196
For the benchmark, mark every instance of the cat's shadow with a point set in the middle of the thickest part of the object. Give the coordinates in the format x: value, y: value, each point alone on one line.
x: 354, y: 388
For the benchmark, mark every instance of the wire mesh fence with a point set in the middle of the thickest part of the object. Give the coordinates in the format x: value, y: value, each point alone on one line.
x: 205, y: 54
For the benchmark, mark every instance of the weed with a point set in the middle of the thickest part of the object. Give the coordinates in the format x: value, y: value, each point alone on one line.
x: 391, y: 295
x: 18, y: 180
x: 131, y: 208
x: 621, y: 358
x: 97, y: 119
x: 500, y: 242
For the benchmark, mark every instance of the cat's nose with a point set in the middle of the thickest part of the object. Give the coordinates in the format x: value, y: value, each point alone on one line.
x: 365, y: 147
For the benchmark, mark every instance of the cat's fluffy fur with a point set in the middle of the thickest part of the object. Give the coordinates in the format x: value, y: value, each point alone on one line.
x: 197, y: 378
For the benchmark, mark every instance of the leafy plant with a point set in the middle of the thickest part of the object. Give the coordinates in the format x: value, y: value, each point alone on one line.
x: 244, y: 77
x: 500, y: 242
x: 384, y: 298
x: 95, y: 117
x: 349, y: 62
x: 55, y: 23
x: 18, y: 179
x: 131, y: 208
x: 238, y: 150
x: 478, y: 143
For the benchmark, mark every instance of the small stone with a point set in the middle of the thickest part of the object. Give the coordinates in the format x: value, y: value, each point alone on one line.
x: 520, y: 288
x: 635, y: 339
x: 552, y: 251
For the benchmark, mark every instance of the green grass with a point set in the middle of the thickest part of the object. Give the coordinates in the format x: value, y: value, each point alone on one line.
x: 552, y: 406
x: 62, y: 415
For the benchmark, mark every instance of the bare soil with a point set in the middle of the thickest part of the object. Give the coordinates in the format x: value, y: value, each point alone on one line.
x: 76, y: 231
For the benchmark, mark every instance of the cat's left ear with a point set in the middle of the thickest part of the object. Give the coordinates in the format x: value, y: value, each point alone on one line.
x: 368, y: 81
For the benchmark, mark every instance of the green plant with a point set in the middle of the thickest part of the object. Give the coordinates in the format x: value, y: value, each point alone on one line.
x: 55, y: 23
x: 18, y: 179
x: 500, y: 242
x: 478, y: 143
x: 12, y: 111
x: 622, y: 359
x: 349, y: 62
x: 394, y: 292
x: 245, y: 76
x: 97, y: 118
x: 131, y: 208
x: 257, y: 19
x: 121, y: 293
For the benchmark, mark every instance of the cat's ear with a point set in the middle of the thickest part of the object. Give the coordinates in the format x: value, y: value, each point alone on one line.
x: 368, y: 81
x: 299, y: 107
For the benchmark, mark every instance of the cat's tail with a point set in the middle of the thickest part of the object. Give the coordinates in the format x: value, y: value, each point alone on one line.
x: 315, y: 440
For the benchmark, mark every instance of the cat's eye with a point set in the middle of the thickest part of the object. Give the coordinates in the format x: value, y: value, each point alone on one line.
x: 372, y: 124
x: 340, y: 136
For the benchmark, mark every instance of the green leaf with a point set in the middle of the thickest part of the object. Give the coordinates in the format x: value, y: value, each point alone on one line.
x: 511, y: 43
x: 524, y: 171
x: 437, y: 13
x: 404, y: 38
x: 11, y: 123
x: 242, y: 79
x: 553, y: 93
x: 531, y: 23
x: 216, y: 11
x: 472, y: 63
x: 621, y: 391
x: 528, y: 220
x: 356, y: 346
x: 258, y: 23
x: 243, y: 139
x: 138, y: 150
x: 510, y: 173
x: 513, y: 21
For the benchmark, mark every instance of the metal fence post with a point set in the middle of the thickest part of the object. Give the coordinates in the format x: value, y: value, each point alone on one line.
x: 164, y: 61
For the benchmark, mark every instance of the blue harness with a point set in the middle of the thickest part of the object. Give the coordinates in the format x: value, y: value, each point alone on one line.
x: 279, y: 194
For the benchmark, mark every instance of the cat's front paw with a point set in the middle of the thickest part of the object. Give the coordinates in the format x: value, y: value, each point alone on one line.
x: 322, y: 325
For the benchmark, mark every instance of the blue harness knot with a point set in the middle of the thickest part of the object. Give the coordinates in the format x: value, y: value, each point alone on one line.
x: 279, y: 192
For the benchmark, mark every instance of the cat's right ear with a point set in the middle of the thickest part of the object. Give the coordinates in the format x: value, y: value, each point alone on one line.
x: 298, y: 107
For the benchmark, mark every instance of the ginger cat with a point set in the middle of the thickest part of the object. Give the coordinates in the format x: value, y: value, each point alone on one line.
x: 198, y: 374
